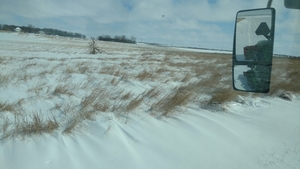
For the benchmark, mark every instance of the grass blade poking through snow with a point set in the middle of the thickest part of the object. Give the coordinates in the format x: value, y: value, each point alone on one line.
x: 168, y: 104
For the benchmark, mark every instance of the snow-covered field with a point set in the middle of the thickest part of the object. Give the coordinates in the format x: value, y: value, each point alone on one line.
x: 137, y: 106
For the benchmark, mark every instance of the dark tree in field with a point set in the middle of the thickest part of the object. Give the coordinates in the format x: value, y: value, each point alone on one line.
x: 93, y: 47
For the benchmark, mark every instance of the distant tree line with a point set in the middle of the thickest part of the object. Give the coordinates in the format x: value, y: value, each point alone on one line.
x: 122, y: 39
x: 48, y: 31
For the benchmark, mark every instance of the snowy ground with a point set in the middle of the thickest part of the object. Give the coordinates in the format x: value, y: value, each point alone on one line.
x: 137, y: 106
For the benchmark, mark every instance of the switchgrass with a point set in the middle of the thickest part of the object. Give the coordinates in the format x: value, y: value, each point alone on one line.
x: 167, y: 104
x: 71, y: 125
x: 144, y: 75
x: 285, y: 76
x: 153, y: 92
x: 222, y: 96
x: 134, y: 103
x: 62, y: 89
x: 7, y: 107
x: 27, y: 126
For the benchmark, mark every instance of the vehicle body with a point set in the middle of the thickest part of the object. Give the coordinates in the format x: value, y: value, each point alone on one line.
x: 259, y: 52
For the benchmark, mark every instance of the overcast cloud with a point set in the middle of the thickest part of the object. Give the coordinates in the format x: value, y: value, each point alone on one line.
x: 198, y: 23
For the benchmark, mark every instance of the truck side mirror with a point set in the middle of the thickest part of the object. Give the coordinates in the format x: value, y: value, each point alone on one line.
x: 253, y: 50
x: 292, y: 4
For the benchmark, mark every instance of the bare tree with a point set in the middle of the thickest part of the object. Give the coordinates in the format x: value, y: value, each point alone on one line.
x: 93, y: 47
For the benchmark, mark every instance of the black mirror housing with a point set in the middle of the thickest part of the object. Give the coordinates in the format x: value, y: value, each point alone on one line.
x: 253, y: 50
x: 292, y: 4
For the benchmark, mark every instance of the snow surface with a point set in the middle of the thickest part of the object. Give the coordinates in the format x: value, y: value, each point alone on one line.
x: 255, y: 133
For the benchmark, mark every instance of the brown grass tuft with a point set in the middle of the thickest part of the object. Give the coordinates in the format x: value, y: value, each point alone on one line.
x: 134, y: 103
x: 5, y: 106
x: 144, y: 75
x: 71, y: 125
x: 221, y: 96
x: 62, y: 89
x: 35, y: 125
x: 285, y: 76
x: 167, y: 104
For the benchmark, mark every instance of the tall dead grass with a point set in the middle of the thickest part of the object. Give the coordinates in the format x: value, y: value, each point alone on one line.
x: 169, y: 103
x: 285, y: 76
x: 7, y: 107
x: 134, y: 103
x: 62, y: 89
x: 145, y: 75
x: 27, y: 126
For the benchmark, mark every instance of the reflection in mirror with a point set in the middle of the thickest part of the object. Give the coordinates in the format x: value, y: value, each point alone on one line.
x: 253, y: 29
x: 252, y: 77
x: 253, y: 50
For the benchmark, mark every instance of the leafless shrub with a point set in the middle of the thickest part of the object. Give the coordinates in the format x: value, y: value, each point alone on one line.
x: 93, y: 47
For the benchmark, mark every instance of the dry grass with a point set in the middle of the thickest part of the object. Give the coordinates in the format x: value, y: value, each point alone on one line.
x: 9, y: 107
x: 4, y: 79
x: 102, y: 106
x: 24, y: 126
x: 144, y: 75
x: 168, y: 103
x: 179, y: 78
x: 154, y: 92
x: 134, y: 103
x: 285, y: 76
x: 71, y: 125
x: 222, y: 96
x: 62, y: 89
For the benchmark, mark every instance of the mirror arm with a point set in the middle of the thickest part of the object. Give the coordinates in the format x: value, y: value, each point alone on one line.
x: 269, y: 4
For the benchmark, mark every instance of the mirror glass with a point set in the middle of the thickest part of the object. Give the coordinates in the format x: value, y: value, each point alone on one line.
x: 253, y: 50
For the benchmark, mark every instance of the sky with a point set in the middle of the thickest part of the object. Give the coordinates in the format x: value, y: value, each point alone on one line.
x: 196, y: 23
